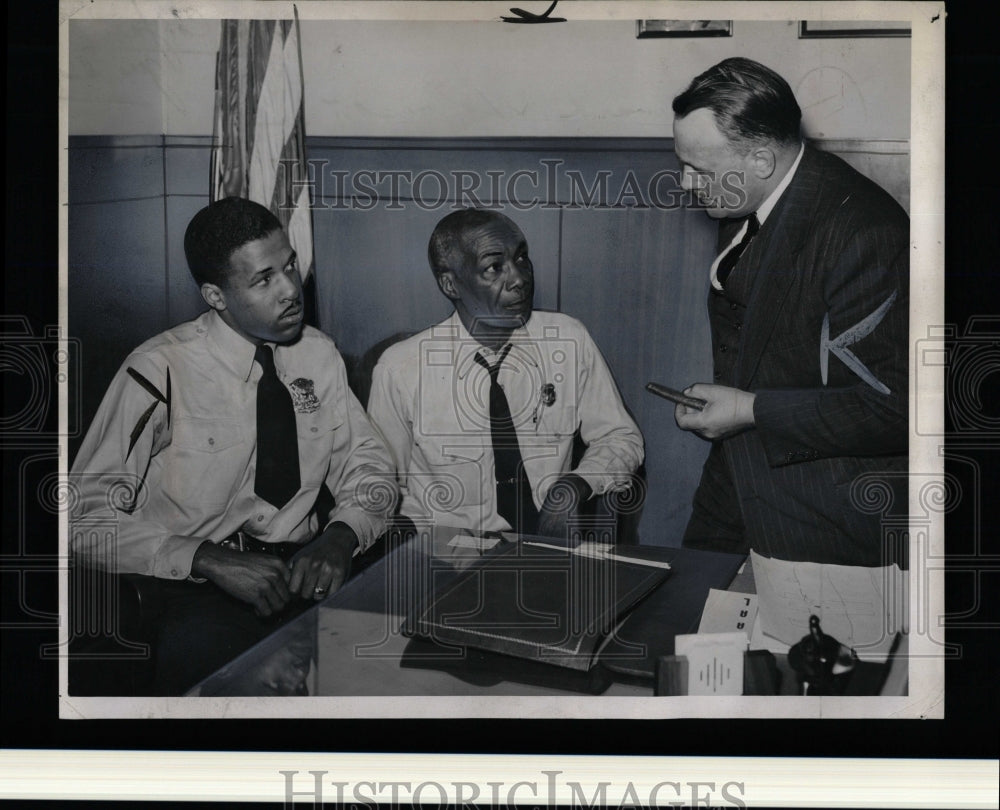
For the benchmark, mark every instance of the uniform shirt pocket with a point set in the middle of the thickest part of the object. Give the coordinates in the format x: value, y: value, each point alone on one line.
x: 452, y: 476
x: 317, y: 434
x: 206, y: 460
x: 555, y: 424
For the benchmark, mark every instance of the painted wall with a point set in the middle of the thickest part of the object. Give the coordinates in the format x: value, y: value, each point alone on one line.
x: 141, y: 101
x: 455, y: 79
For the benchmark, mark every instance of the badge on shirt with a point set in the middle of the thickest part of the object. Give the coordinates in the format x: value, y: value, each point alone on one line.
x: 303, y: 395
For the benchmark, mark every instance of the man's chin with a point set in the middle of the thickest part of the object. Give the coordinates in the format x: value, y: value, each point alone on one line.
x: 502, y: 322
x: 288, y: 333
x: 516, y: 318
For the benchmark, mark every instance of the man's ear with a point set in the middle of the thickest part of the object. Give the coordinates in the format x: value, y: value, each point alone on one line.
x: 446, y: 283
x: 213, y: 296
x: 763, y: 162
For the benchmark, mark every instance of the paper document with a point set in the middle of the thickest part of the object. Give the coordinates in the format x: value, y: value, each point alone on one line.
x: 727, y: 612
x: 477, y: 543
x: 600, y: 551
x: 861, y: 607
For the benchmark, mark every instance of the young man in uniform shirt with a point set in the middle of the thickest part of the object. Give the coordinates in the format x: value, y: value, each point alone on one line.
x: 214, y: 442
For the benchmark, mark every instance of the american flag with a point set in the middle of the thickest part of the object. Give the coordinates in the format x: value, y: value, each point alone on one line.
x: 259, y: 147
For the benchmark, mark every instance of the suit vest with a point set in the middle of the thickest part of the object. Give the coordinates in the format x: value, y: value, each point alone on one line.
x: 726, y: 313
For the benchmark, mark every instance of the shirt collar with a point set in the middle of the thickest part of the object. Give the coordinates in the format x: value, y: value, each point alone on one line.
x: 522, y: 345
x: 768, y: 205
x: 233, y: 350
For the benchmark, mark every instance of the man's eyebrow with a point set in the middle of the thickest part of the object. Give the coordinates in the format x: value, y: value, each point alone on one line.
x: 489, y: 254
x: 684, y: 162
x: 269, y: 269
x: 522, y: 247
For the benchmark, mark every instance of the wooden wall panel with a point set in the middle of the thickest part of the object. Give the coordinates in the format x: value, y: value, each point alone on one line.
x: 186, y: 164
x: 638, y: 279
x: 629, y: 266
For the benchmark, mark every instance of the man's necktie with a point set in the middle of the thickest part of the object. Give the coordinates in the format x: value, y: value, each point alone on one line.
x: 277, y: 477
x: 728, y: 262
x: 514, y: 501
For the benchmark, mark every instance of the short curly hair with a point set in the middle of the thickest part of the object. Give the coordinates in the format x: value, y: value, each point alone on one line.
x: 448, y: 235
x: 218, y: 230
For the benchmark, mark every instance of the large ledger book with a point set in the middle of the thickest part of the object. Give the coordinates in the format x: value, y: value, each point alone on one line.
x: 538, y: 601
x: 647, y: 633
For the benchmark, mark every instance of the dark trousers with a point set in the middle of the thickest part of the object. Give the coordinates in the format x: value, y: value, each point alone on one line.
x: 199, y: 628
x: 716, y: 522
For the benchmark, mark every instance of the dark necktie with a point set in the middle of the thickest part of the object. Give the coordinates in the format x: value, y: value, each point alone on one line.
x: 277, y: 477
x: 728, y: 262
x: 514, y: 501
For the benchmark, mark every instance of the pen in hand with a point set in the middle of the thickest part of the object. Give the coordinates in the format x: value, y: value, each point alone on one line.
x: 676, y: 396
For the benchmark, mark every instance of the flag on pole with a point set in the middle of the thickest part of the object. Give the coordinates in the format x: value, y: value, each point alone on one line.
x: 259, y: 149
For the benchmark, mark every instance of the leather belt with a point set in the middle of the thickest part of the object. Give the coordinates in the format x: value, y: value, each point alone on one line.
x: 240, y: 541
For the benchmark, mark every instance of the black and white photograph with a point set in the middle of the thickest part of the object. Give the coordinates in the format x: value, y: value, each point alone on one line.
x: 534, y: 446
x: 452, y: 361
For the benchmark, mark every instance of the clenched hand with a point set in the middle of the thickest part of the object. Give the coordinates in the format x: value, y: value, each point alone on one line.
x: 260, y: 579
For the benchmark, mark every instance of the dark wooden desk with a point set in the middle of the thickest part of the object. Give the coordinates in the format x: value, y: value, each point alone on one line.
x: 351, y: 644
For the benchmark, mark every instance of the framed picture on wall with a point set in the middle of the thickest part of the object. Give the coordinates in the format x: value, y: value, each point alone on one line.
x: 654, y: 29
x: 822, y: 29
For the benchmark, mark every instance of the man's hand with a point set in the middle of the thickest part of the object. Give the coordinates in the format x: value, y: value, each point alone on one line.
x: 260, y: 579
x: 323, y: 565
x: 564, y: 499
x: 727, y: 411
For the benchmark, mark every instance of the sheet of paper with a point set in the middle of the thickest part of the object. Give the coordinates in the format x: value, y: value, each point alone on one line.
x: 473, y: 542
x: 728, y: 612
x: 861, y: 607
x: 759, y: 640
x: 715, y: 662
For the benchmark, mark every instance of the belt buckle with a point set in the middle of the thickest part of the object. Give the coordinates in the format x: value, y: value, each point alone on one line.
x: 235, y: 542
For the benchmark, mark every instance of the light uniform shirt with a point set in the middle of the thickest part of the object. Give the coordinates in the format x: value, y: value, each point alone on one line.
x: 430, y: 402
x: 762, y: 214
x: 196, y: 458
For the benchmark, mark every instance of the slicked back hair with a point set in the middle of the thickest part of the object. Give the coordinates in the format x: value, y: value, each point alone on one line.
x: 752, y: 104
x: 448, y: 236
x: 218, y: 230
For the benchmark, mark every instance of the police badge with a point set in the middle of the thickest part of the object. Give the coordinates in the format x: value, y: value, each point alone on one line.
x: 303, y: 395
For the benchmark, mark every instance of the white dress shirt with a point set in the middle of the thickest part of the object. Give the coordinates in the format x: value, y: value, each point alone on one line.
x: 195, y: 459
x: 430, y: 402
x: 763, y: 212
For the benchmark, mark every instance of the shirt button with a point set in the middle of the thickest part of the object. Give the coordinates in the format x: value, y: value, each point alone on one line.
x: 738, y: 326
x: 723, y: 348
x: 732, y: 307
x: 211, y: 440
x: 717, y: 375
x: 260, y: 518
x: 313, y: 429
x: 174, y: 572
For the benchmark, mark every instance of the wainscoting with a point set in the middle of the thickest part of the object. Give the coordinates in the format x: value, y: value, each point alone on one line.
x: 613, y: 242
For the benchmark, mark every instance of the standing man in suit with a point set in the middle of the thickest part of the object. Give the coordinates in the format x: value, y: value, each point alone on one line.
x: 808, y: 309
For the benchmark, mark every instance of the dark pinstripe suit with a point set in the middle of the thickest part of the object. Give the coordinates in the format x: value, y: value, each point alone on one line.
x: 836, y: 246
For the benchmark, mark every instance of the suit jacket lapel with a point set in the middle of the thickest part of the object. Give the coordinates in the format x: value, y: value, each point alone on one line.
x: 772, y: 256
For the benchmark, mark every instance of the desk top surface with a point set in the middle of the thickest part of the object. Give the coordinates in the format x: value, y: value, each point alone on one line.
x: 351, y: 644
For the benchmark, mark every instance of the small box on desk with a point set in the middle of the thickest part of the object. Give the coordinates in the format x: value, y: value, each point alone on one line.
x: 760, y: 674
